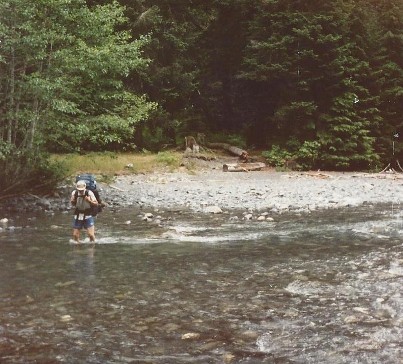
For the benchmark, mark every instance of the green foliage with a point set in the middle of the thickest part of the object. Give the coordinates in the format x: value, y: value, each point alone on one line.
x: 387, y: 71
x: 237, y: 140
x: 274, y: 72
x: 6, y: 150
x: 320, y: 79
x: 67, y: 65
x: 168, y: 159
x: 28, y: 171
x: 62, y: 67
x: 113, y: 131
x: 277, y: 156
x: 346, y: 144
x: 153, y: 138
x: 308, y: 154
x: 174, y: 48
x: 304, y: 156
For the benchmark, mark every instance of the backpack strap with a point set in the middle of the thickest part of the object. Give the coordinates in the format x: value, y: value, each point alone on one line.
x: 76, y: 195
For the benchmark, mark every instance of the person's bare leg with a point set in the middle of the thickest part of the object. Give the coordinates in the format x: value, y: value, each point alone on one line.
x: 91, y: 233
x: 76, y: 235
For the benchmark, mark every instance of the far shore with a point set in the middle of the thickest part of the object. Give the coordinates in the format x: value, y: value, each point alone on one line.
x: 258, y: 190
x: 203, y: 186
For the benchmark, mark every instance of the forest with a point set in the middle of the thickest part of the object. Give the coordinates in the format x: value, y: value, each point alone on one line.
x: 319, y: 81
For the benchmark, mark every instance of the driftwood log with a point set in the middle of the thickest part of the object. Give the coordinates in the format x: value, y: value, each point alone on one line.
x: 230, y: 148
x: 243, y: 167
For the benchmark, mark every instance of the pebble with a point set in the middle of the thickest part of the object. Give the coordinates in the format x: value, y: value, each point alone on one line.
x: 213, y: 210
x: 66, y: 318
x: 190, y: 336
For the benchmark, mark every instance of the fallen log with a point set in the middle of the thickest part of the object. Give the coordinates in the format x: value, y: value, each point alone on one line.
x: 317, y: 174
x: 229, y: 148
x: 243, y: 167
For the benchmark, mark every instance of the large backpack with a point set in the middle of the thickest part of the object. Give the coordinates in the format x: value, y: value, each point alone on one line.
x: 89, y: 180
x: 92, y: 186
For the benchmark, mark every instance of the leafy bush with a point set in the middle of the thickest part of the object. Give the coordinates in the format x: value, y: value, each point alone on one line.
x: 171, y: 160
x: 277, y: 156
x: 28, y: 171
x: 308, y: 154
x: 153, y: 138
x: 105, y: 132
x: 305, y: 156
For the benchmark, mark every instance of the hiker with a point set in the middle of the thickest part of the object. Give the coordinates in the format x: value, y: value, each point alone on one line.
x: 83, y: 200
x: 91, y: 183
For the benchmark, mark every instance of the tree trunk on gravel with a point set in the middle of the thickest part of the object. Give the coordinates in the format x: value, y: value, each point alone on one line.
x: 230, y: 148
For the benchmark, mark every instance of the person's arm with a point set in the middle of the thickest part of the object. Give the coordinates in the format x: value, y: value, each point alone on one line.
x: 73, y: 200
x: 91, y: 198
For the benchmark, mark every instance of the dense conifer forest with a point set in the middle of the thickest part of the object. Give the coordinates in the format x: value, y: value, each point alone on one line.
x: 318, y: 81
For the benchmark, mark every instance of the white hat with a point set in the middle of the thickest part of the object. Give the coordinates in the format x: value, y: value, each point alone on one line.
x: 81, y: 185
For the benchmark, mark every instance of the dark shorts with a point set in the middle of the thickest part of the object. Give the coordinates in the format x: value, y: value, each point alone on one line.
x: 85, y: 223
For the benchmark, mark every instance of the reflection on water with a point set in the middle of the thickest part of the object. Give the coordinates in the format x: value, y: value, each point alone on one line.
x: 323, y: 288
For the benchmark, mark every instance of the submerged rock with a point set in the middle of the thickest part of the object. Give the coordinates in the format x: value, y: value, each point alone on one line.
x: 213, y: 210
x: 191, y: 336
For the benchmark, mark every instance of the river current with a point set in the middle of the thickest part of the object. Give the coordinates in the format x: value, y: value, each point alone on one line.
x: 324, y: 287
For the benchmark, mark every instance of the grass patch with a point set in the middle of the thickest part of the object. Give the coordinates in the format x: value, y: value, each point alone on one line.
x: 169, y: 159
x: 107, y: 165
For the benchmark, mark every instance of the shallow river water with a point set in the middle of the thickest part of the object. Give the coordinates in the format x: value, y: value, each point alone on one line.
x: 318, y: 288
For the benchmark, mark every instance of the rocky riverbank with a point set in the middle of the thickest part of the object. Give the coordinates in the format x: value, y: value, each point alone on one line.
x: 208, y: 189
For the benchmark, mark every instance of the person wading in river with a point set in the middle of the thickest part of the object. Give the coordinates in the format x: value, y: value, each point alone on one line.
x: 83, y: 200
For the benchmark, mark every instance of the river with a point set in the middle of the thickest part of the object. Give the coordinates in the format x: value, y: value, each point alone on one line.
x: 324, y: 287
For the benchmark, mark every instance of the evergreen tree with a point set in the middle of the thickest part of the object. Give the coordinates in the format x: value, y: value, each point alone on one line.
x: 387, y: 65
x: 223, y: 43
x: 172, y: 78
x: 300, y: 59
